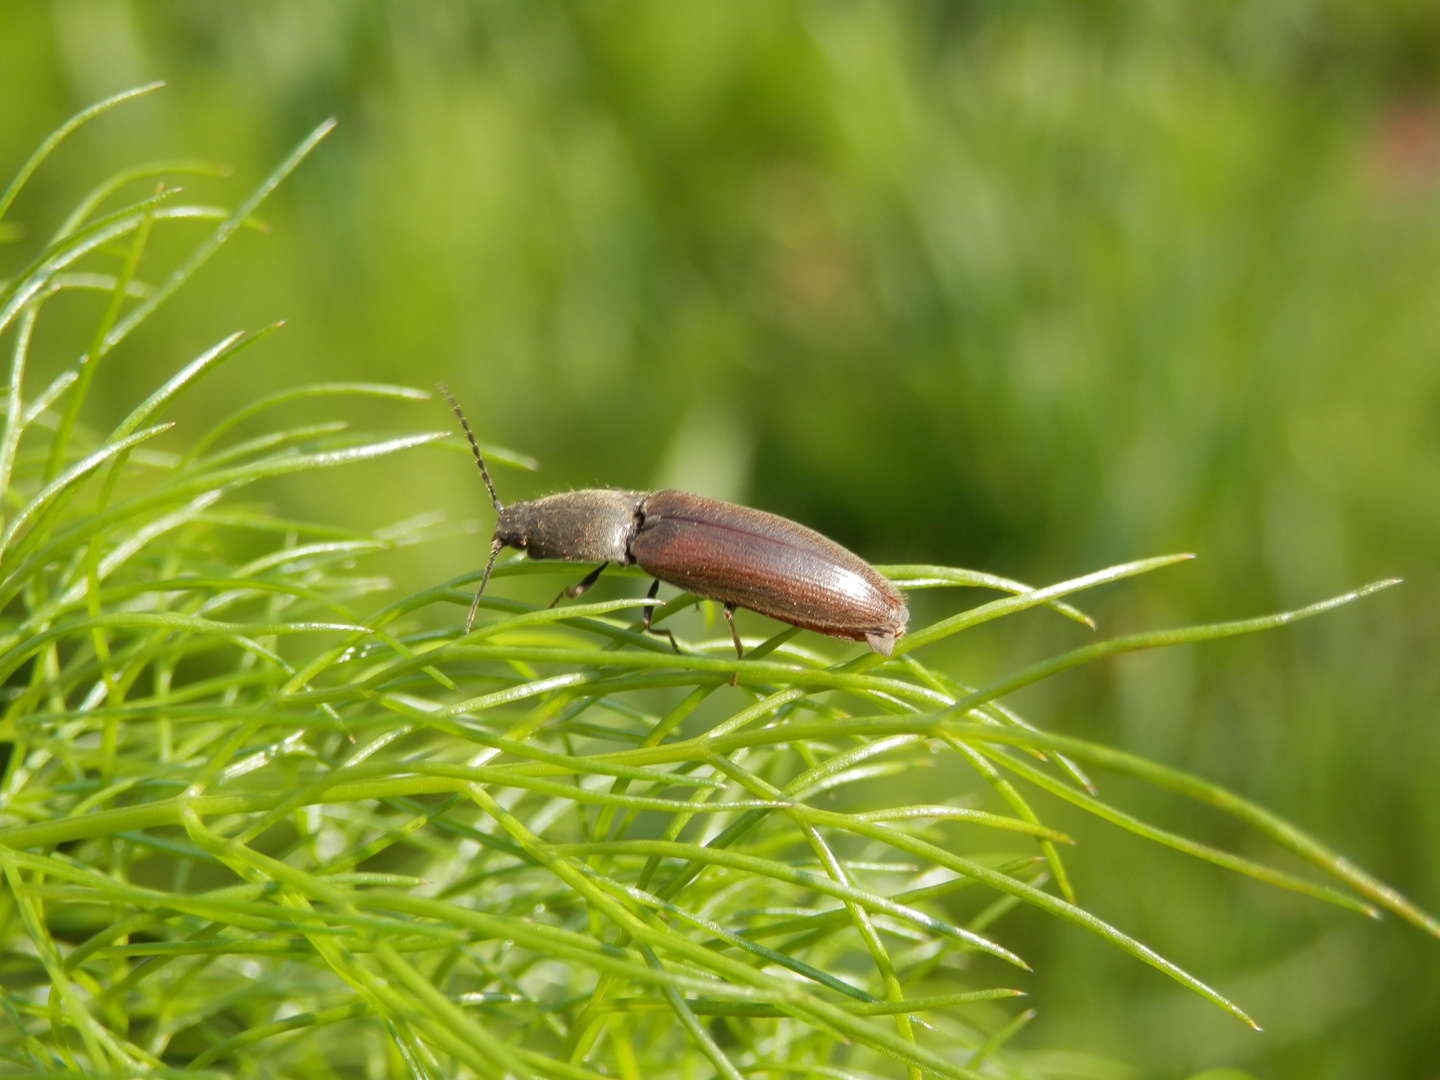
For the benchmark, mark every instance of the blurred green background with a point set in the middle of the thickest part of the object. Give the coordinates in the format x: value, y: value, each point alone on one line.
x: 1025, y: 287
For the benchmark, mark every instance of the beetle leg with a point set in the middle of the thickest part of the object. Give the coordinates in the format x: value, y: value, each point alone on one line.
x: 649, y: 614
x: 729, y: 610
x: 581, y: 587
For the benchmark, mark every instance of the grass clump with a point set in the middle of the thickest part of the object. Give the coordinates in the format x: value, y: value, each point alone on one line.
x: 250, y: 824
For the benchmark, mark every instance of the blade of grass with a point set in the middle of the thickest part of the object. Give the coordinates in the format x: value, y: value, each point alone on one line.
x: 61, y: 133
x: 1034, y: 598
x: 935, y: 577
x: 1157, y: 639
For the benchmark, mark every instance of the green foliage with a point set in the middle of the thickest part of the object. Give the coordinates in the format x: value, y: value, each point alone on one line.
x: 241, y: 804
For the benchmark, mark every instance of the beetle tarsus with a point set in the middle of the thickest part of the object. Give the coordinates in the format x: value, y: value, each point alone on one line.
x: 581, y: 587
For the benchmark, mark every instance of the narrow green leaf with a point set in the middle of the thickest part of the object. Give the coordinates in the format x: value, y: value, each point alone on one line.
x: 1157, y: 639
x: 71, y: 476
x: 61, y: 133
x: 299, y: 393
x: 207, y: 360
x: 934, y: 577
x: 781, y: 872
x: 1034, y: 598
x: 110, y: 185
x: 213, y: 243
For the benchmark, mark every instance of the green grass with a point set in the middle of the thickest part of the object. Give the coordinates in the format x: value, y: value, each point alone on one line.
x: 256, y: 821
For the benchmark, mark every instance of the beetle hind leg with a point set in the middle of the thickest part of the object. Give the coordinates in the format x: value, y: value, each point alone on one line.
x: 649, y: 614
x: 729, y: 610
x: 581, y: 587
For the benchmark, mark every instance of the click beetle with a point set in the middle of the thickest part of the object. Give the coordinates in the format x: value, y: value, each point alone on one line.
x: 734, y: 554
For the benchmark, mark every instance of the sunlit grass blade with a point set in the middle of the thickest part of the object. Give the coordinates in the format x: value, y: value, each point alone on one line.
x: 61, y: 133
x: 1249, y: 867
x: 1267, y: 823
x: 203, y: 251
x: 172, y: 621
x: 203, y: 363
x: 829, y: 920
x: 1034, y: 598
x: 111, y: 184
x: 300, y: 393
x: 740, y: 941
x: 1157, y: 639
x: 32, y: 281
x: 15, y: 418
x: 957, y: 813
x: 789, y: 875
x: 933, y: 577
x: 66, y: 481
x: 176, y: 490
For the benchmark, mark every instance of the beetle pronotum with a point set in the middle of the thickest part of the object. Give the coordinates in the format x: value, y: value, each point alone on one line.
x: 739, y: 556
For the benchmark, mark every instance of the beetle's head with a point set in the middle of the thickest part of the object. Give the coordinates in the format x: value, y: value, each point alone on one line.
x: 514, y: 524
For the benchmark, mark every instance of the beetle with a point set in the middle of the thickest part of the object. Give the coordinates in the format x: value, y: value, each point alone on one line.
x: 742, y: 557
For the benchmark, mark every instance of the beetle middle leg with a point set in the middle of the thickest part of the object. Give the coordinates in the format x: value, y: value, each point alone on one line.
x: 649, y: 614
x: 581, y: 587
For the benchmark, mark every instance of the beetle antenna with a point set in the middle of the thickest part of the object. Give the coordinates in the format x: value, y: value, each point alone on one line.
x: 475, y: 449
x: 495, y: 546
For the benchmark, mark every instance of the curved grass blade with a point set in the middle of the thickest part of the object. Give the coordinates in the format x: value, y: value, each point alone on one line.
x: 173, y: 621
x: 1051, y: 904
x: 933, y: 577
x: 298, y: 393
x: 311, y: 1020
x: 61, y: 133
x: 1267, y: 823
x: 740, y: 941
x: 1263, y: 821
x: 1154, y: 640
x: 123, y: 551
x: 213, y: 243
x: 999, y: 1039
x: 202, y: 364
x: 790, y: 875
x: 702, y: 1007
x: 273, y: 440
x: 1225, y: 859
x: 110, y: 185
x: 15, y: 419
x: 1034, y: 598
x: 32, y: 282
x: 67, y: 480
x: 183, y: 488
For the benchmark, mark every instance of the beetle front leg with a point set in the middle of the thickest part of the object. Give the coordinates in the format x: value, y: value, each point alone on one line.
x: 581, y: 587
x: 649, y: 614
